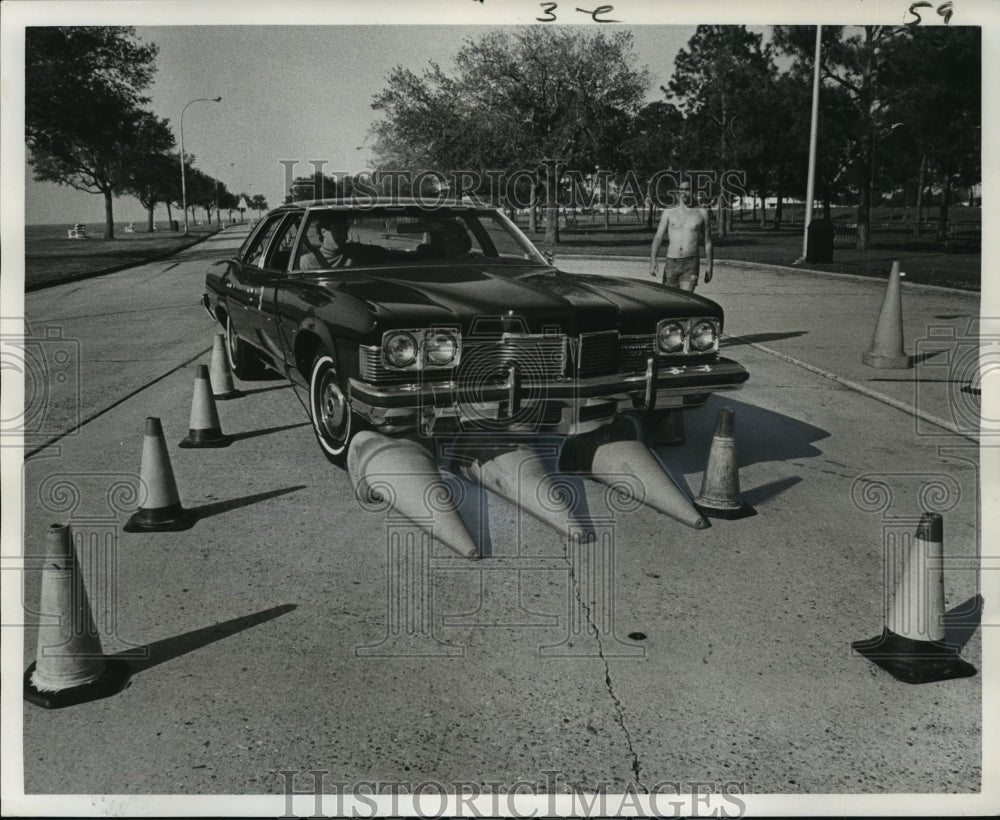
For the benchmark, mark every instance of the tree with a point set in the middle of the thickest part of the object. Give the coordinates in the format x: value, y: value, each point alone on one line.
x: 934, y: 101
x: 654, y: 142
x: 201, y: 190
x: 152, y: 177
x: 536, y: 97
x: 718, y: 82
x: 83, y: 116
x: 853, y: 62
x: 259, y: 201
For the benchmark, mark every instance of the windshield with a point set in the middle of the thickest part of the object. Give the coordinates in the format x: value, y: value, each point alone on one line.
x: 409, y: 235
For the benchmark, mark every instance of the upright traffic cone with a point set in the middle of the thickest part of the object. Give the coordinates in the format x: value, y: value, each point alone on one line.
x: 518, y: 475
x: 886, y: 350
x: 613, y: 452
x: 204, y: 429
x: 69, y: 665
x: 162, y: 511
x: 377, y: 463
x: 911, y: 647
x: 720, y: 486
x: 222, y: 378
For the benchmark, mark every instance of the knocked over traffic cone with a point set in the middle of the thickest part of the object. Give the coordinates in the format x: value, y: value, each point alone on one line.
x: 611, y: 453
x: 720, y: 486
x: 222, y: 377
x: 886, y: 350
x: 911, y: 647
x: 69, y: 665
x: 204, y: 429
x: 163, y: 510
x: 406, y: 473
x: 518, y: 476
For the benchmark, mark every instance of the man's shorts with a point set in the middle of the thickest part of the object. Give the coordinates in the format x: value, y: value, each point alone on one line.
x: 681, y: 273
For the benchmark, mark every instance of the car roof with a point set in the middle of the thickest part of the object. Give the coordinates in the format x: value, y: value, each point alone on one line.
x: 363, y: 203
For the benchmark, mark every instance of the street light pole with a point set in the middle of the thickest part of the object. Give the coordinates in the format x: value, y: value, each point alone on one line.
x: 813, y: 126
x: 184, y: 203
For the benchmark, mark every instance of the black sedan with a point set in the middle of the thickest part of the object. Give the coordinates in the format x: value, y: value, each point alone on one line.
x: 444, y: 320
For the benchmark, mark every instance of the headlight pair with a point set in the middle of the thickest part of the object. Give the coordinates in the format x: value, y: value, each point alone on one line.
x: 687, y: 335
x: 416, y: 349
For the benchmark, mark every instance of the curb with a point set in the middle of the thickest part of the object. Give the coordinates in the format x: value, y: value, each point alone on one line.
x: 902, y: 406
x: 739, y: 263
x: 76, y: 277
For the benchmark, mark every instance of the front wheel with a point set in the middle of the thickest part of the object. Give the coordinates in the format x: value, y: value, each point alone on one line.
x: 333, y: 419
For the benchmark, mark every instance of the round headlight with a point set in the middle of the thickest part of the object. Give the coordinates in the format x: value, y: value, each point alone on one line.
x: 703, y: 335
x: 670, y: 337
x: 440, y: 348
x: 400, y: 349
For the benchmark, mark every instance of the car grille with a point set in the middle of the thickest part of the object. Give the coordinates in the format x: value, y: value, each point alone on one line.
x: 598, y: 354
x: 534, y: 357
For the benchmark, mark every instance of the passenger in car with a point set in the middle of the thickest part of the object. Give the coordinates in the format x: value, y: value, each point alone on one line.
x: 449, y: 239
x: 334, y: 250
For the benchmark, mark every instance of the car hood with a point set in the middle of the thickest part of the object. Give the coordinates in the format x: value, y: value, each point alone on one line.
x: 537, y: 297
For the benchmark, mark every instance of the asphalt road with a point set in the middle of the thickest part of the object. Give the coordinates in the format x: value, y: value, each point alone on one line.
x: 289, y: 631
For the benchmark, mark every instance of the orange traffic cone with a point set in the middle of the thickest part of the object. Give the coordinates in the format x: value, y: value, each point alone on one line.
x: 720, y: 486
x: 611, y: 453
x: 204, y: 429
x: 911, y: 647
x: 886, y: 350
x: 518, y: 475
x: 69, y: 665
x: 222, y: 378
x: 162, y: 510
x: 404, y: 474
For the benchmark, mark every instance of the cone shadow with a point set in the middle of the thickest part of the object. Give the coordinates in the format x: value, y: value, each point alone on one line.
x: 962, y: 621
x: 266, y: 431
x: 219, y: 507
x: 253, y: 390
x: 167, y: 649
x: 754, y: 338
x: 758, y: 495
x: 472, y: 509
x: 762, y: 436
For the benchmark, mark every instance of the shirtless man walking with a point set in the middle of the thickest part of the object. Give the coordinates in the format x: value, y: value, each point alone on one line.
x: 685, y: 227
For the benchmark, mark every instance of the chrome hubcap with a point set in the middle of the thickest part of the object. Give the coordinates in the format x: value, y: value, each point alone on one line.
x: 332, y: 406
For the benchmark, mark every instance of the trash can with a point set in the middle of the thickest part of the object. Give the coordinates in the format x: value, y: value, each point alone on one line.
x: 819, y: 241
x: 175, y: 225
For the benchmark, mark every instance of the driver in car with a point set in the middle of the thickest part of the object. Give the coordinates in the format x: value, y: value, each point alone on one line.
x: 334, y: 250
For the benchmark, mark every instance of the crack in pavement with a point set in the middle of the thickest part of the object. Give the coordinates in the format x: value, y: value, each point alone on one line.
x: 619, y: 709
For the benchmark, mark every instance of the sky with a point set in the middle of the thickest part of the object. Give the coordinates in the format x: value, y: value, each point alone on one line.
x: 289, y: 93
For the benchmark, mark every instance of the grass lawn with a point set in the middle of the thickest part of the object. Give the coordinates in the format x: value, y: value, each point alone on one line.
x: 925, y: 261
x: 50, y: 260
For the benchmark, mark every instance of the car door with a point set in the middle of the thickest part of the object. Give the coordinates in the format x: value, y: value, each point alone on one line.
x: 243, y: 280
x: 269, y: 281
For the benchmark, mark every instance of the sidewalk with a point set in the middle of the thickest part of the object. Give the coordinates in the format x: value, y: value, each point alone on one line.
x: 825, y: 322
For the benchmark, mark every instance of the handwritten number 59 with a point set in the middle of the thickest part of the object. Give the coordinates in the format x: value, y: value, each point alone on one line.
x: 944, y: 10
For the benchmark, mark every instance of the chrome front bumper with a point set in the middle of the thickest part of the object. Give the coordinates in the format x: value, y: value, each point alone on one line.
x: 515, y: 404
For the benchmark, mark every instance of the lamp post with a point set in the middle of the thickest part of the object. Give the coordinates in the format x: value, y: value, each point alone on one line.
x: 184, y: 203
